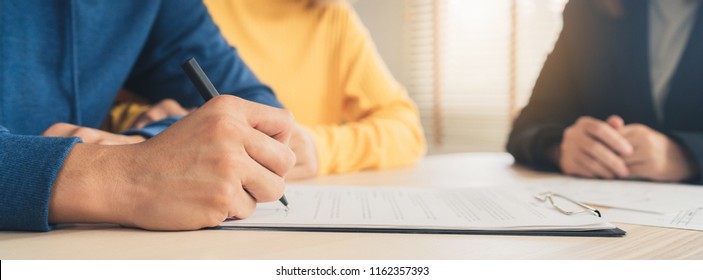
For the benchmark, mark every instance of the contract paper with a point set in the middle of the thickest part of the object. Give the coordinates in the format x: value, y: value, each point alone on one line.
x: 355, y: 207
x: 691, y: 219
x: 655, y: 198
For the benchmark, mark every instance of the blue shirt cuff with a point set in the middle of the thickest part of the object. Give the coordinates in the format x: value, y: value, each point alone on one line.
x: 29, y: 166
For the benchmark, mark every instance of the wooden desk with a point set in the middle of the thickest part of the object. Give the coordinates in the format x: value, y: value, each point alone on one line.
x: 110, y: 242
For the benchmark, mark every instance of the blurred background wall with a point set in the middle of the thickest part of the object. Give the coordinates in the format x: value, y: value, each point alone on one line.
x: 470, y: 65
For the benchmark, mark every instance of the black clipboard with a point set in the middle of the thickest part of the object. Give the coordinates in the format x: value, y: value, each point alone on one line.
x: 614, y: 232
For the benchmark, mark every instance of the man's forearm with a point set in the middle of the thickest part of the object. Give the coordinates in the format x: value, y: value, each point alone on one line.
x: 90, y: 186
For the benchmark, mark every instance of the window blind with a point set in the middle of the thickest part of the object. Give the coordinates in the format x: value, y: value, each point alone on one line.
x: 471, y: 64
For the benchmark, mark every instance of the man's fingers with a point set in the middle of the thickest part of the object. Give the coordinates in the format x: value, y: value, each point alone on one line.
x: 274, y: 122
x: 609, y: 136
x: 268, y: 152
x: 594, y: 166
x: 636, y: 134
x: 641, y: 170
x: 90, y: 135
x: 277, y: 125
x: 115, y: 139
x: 616, y: 122
x: 598, y: 152
x: 242, y: 204
x: 635, y: 158
x: 262, y: 184
x: 573, y: 168
x: 59, y: 130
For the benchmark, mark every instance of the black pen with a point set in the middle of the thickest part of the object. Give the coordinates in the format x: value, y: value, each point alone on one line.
x: 208, y: 91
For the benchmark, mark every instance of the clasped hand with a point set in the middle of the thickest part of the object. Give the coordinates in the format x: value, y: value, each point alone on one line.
x: 596, y: 149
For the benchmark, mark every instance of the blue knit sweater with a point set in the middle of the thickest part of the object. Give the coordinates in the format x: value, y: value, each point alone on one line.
x: 65, y: 60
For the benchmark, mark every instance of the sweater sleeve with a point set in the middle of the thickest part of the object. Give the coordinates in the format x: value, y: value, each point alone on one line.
x: 28, y: 167
x: 383, y: 128
x: 184, y: 29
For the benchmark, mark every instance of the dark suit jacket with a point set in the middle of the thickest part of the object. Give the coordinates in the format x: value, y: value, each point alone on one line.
x: 600, y: 67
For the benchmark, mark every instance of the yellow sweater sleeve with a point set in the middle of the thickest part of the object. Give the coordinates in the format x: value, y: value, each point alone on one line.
x: 383, y: 129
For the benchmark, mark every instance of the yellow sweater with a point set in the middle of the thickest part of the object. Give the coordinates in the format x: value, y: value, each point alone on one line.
x: 324, y: 67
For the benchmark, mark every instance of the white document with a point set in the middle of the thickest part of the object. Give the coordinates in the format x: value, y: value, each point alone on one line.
x: 333, y: 207
x: 686, y: 219
x: 629, y: 195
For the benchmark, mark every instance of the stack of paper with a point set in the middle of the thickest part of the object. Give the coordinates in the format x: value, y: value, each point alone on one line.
x: 420, y: 210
